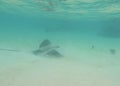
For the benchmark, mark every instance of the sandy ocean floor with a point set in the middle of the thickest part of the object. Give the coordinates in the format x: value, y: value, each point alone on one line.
x: 82, y: 64
x: 87, y: 31
x: 91, y: 69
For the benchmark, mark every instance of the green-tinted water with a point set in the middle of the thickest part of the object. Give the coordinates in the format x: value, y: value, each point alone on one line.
x: 87, y: 31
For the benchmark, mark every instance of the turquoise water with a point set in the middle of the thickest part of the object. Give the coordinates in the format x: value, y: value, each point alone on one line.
x: 93, y: 20
x: 87, y: 31
x: 75, y: 26
x: 26, y: 32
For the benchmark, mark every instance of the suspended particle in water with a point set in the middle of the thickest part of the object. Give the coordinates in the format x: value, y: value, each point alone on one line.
x: 112, y: 51
x: 92, y: 47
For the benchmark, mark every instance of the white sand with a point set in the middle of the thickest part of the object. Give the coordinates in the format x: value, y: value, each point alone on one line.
x: 91, y: 69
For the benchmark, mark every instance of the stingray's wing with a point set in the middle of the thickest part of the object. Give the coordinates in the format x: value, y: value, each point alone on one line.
x: 54, y: 53
x: 37, y: 52
x: 45, y: 43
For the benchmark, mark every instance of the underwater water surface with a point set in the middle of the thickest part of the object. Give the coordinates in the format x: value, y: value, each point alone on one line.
x: 87, y: 33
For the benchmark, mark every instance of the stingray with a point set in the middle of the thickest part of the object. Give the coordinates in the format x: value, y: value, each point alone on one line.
x: 45, y: 49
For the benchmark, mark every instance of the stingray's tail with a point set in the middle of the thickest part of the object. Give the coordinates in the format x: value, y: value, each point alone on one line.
x: 13, y: 50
